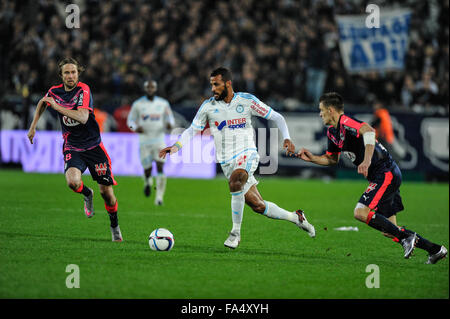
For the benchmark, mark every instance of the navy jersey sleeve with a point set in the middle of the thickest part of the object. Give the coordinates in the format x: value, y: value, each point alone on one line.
x: 332, y: 148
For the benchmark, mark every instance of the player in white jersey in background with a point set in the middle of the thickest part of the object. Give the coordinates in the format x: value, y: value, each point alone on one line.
x: 150, y: 116
x: 229, y: 117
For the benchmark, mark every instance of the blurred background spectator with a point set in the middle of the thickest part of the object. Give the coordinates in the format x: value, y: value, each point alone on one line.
x: 279, y: 50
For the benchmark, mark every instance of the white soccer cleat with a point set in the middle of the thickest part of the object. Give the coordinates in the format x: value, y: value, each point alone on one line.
x: 304, y: 224
x: 233, y: 240
x: 116, y: 234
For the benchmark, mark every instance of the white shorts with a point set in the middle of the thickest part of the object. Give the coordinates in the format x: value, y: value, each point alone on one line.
x: 248, y: 161
x: 150, y: 153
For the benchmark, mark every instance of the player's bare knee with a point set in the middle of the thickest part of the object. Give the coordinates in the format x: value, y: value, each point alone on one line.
x: 74, y: 184
x: 361, y: 212
x: 235, y: 185
x: 359, y: 215
x: 237, y: 180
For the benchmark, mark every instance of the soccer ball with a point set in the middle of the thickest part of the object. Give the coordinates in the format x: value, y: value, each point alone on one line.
x: 161, y: 239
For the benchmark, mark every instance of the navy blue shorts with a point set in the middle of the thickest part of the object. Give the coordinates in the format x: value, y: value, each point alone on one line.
x: 383, y: 193
x: 96, y: 159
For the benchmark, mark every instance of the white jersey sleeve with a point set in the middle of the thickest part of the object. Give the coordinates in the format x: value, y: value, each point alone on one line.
x: 280, y: 122
x: 168, y: 115
x: 261, y: 109
x: 132, y: 118
x: 257, y: 107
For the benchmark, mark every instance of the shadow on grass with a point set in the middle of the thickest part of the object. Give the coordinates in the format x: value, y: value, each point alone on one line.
x: 245, y: 254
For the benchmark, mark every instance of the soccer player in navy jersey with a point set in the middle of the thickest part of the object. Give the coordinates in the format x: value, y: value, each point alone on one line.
x: 83, y: 147
x: 381, y: 201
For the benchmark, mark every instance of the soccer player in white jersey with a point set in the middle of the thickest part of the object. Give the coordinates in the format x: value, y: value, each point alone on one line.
x: 229, y: 116
x: 149, y: 116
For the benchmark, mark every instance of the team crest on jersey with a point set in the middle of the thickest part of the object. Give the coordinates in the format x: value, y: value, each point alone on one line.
x: 371, y: 187
x: 69, y: 122
x: 239, y: 108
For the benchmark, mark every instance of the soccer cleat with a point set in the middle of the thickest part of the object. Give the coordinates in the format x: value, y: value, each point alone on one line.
x: 441, y: 254
x: 158, y: 202
x: 233, y: 240
x: 89, y: 204
x: 304, y: 224
x: 409, y: 243
x: 116, y: 234
x: 147, y: 190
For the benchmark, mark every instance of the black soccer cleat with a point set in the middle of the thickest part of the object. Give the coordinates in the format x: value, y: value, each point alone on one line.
x: 147, y: 190
x: 409, y: 243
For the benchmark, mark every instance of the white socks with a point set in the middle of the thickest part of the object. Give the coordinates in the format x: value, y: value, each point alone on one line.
x: 161, y: 180
x: 275, y: 212
x: 272, y: 211
x: 237, y: 210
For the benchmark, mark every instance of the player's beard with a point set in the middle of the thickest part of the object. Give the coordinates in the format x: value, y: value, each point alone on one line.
x: 150, y: 97
x: 223, y: 95
x: 70, y: 85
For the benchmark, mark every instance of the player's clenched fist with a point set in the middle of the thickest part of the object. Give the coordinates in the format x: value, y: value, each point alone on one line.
x: 30, y: 134
x: 289, y: 147
x: 363, y: 168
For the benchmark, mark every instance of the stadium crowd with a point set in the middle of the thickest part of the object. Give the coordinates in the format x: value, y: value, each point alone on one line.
x: 279, y: 50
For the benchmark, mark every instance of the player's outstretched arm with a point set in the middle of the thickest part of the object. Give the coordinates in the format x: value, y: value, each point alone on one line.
x: 40, y: 108
x: 185, y: 137
x: 324, y: 160
x: 282, y: 126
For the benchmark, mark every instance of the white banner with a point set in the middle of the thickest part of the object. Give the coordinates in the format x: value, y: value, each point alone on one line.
x: 378, y: 47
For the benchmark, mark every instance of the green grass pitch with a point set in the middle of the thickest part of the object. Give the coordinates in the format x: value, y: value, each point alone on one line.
x: 43, y: 229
